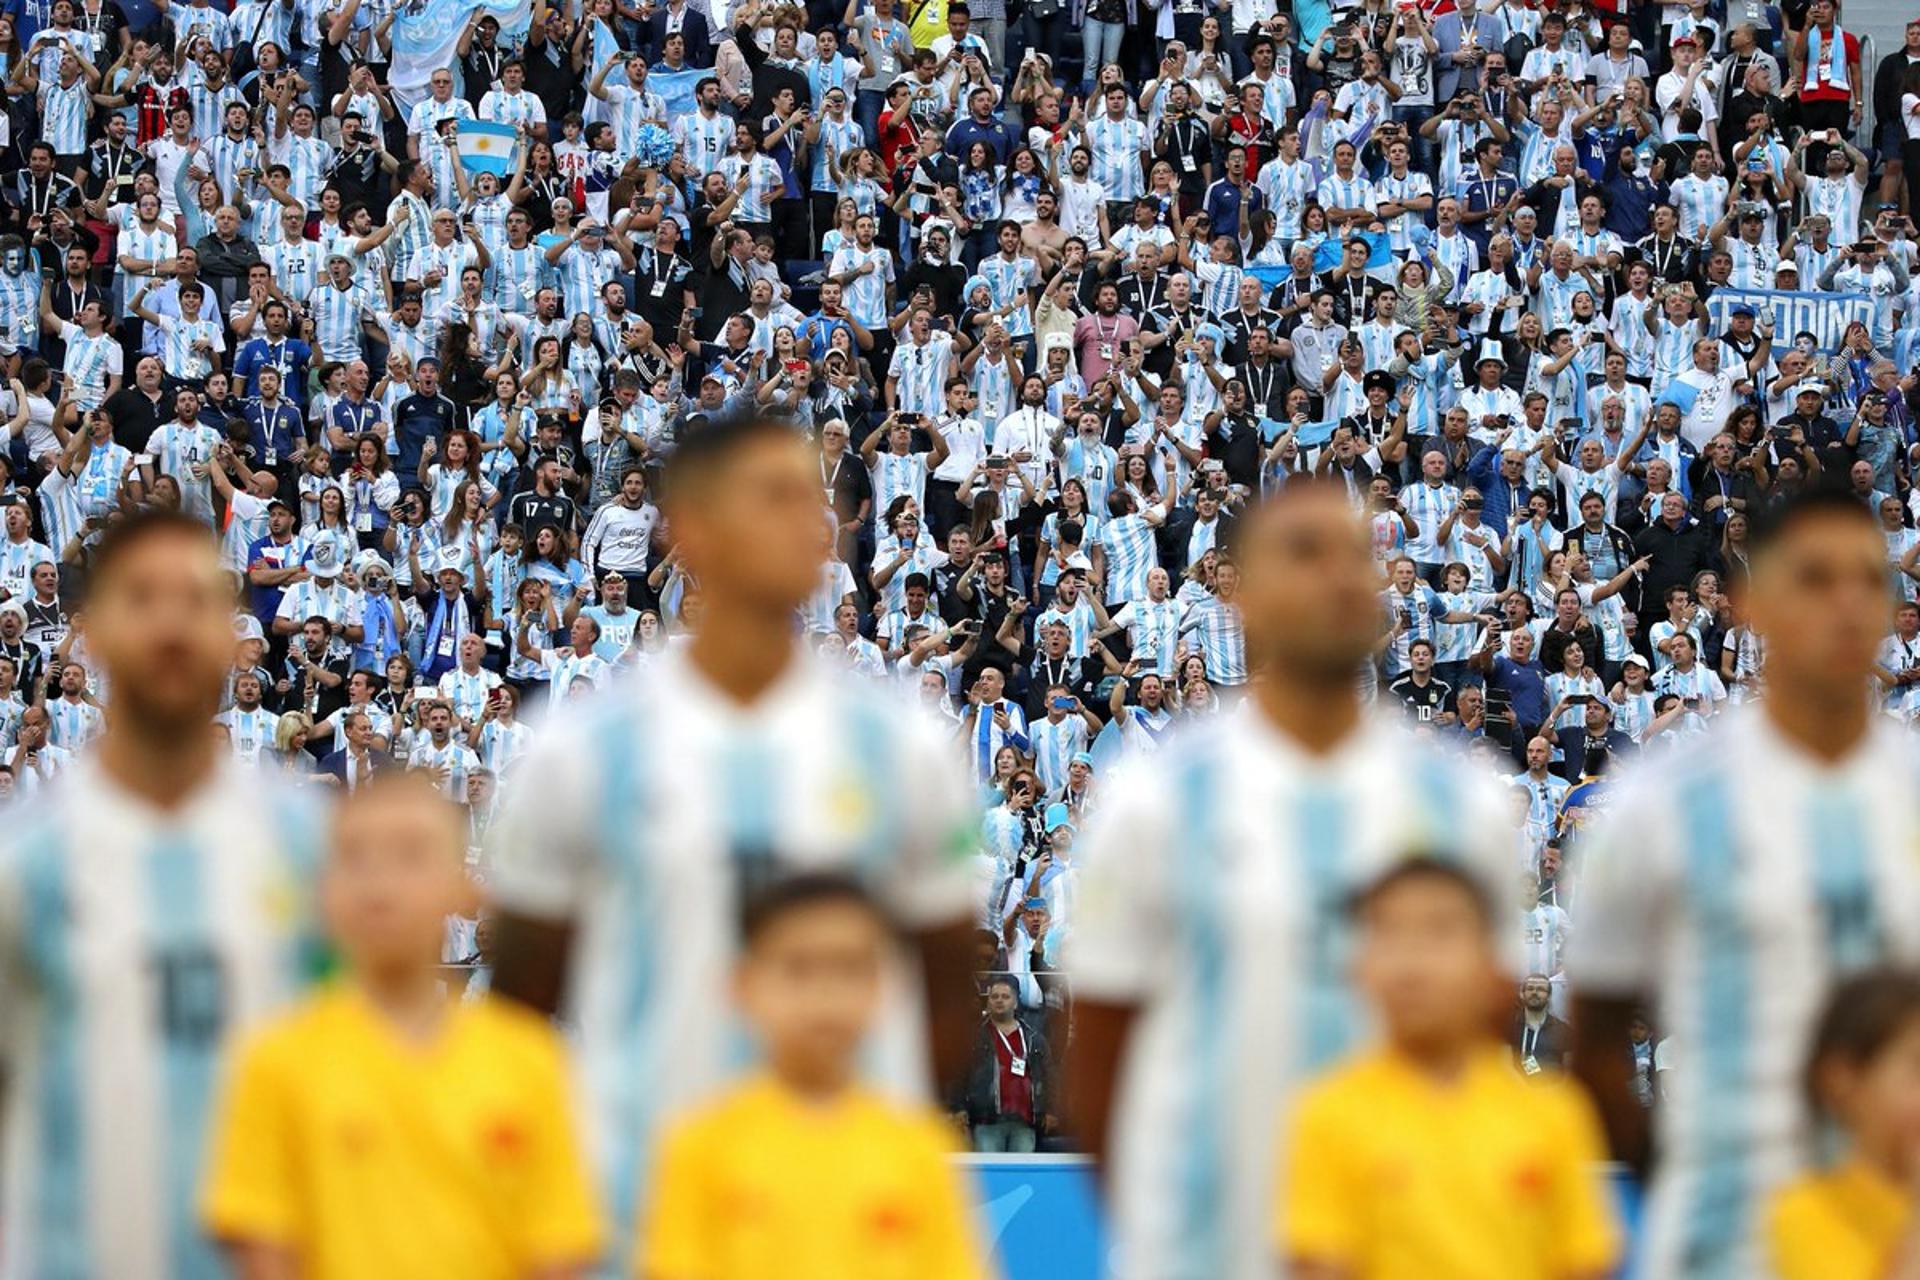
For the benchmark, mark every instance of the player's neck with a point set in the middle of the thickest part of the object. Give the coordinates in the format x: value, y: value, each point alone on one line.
x: 160, y: 767
x: 1827, y: 728
x: 1441, y: 1056
x: 407, y: 995
x: 1536, y: 1018
x: 740, y: 649
x: 1317, y: 714
x: 814, y: 1082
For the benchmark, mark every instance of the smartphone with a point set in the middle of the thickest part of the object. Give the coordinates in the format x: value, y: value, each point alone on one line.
x: 909, y: 419
x: 1061, y: 704
x: 142, y: 459
x: 996, y: 460
x: 1579, y: 699
x: 695, y: 312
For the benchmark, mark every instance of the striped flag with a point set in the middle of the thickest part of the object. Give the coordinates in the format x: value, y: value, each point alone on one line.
x: 486, y: 147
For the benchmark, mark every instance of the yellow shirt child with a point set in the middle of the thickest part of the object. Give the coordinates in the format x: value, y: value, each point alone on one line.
x: 761, y: 1183
x: 370, y: 1157
x: 1394, y: 1176
x: 1842, y: 1224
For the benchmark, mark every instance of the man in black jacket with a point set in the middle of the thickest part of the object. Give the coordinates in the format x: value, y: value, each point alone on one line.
x: 1596, y: 734
x: 1677, y: 546
x: 1007, y: 1096
x: 1541, y: 1042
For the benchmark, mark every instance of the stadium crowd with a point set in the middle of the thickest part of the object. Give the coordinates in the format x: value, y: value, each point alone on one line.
x: 1056, y: 290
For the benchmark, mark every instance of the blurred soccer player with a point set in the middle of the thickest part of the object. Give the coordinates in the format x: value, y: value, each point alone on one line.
x: 1429, y: 1154
x: 153, y: 898
x: 385, y: 1127
x: 841, y: 1180
x: 1212, y: 928
x: 637, y: 822
x: 1735, y: 878
x: 1856, y: 1218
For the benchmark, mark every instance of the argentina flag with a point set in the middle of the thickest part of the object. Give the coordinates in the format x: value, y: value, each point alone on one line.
x: 486, y: 147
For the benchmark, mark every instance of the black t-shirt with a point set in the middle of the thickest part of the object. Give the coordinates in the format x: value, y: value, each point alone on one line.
x: 532, y: 509
x: 416, y: 420
x: 134, y: 416
x: 479, y: 69
x: 1423, y: 702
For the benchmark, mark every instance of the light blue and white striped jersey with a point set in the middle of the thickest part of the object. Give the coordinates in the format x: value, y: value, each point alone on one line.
x: 1455, y: 641
x: 523, y: 107
x: 1219, y: 282
x: 468, y: 693
x: 60, y: 514
x: 1217, y: 874
x: 894, y: 474
x: 307, y: 161
x: 1078, y: 619
x: 1577, y: 482
x: 455, y: 760
x: 1543, y: 796
x: 297, y: 266
x: 1421, y: 609
x: 704, y: 141
x: 580, y: 273
x: 1838, y: 200
x: 1220, y: 637
x: 413, y: 234
x: 210, y: 106
x: 925, y: 559
x: 178, y: 355
x: 517, y: 275
x: 837, y: 138
x: 1094, y: 466
x: 1008, y: 278
x: 866, y: 296
x: 565, y: 668
x: 1286, y: 187
x: 132, y: 942
x: 501, y: 744
x: 248, y: 732
x: 19, y: 309
x: 423, y: 123
x: 1153, y: 632
x: 1673, y: 350
x: 449, y: 260
x: 764, y: 185
x: 1356, y: 192
x: 337, y: 316
x: 89, y: 363
x: 1734, y: 881
x: 177, y: 450
x: 1117, y: 146
x: 63, y: 115
x: 922, y: 371
x: 1132, y: 553
x: 73, y: 724
x: 643, y: 813
x: 1054, y: 745
x: 1699, y: 202
x: 16, y: 565
x: 1561, y: 685
x: 1633, y: 713
x: 227, y: 156
x: 1429, y: 505
x: 1544, y: 930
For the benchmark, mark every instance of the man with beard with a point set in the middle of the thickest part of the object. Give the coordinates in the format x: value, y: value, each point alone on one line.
x: 159, y: 856
x: 1218, y: 999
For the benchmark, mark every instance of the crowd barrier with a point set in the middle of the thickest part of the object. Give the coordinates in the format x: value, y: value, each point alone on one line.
x: 1043, y: 1219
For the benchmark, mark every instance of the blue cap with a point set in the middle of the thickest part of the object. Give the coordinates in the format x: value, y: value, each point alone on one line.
x: 1034, y: 904
x: 1081, y: 757
x: 1742, y: 309
x: 1058, y: 817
